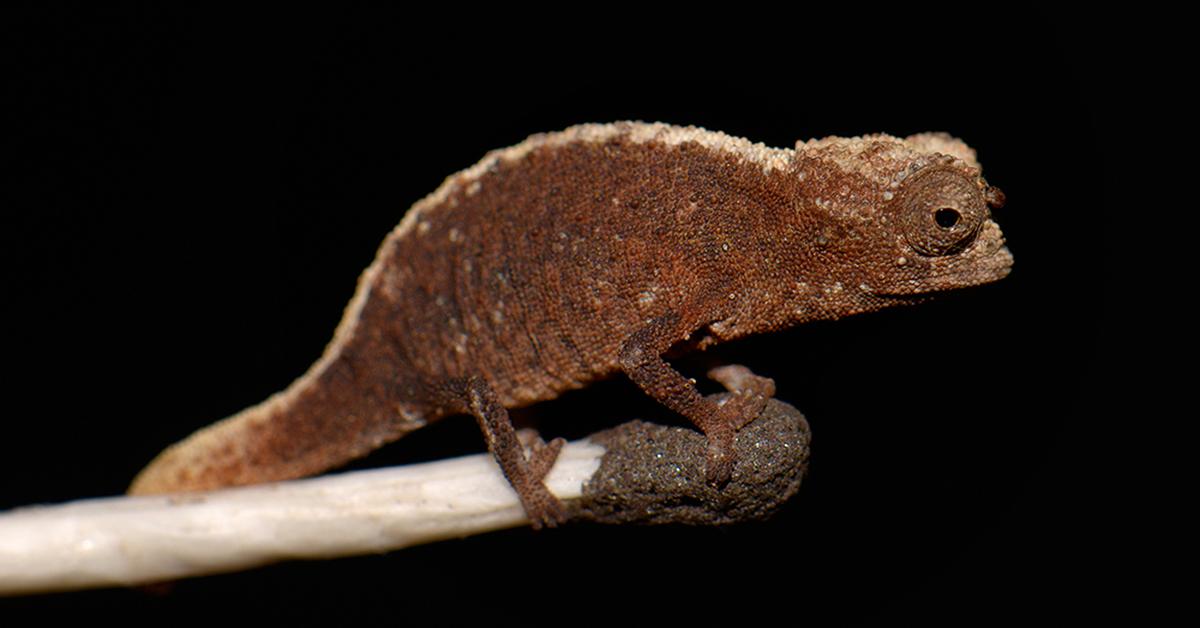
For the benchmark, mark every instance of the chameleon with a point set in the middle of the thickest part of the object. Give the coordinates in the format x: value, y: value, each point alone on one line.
x: 598, y: 250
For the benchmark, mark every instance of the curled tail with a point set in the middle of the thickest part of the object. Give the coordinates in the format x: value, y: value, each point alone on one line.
x: 357, y: 397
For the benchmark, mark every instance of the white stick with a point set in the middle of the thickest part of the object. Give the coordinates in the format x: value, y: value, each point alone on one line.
x: 123, y: 541
x: 649, y: 474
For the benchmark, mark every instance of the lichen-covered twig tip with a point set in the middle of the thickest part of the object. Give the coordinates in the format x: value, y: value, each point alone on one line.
x: 651, y: 473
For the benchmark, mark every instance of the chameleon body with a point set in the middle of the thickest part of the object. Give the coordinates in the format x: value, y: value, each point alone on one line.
x: 577, y: 255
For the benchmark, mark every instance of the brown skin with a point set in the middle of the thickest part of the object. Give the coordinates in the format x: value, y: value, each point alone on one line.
x: 593, y: 251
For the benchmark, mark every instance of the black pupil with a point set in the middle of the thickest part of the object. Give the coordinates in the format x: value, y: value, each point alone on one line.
x: 946, y: 217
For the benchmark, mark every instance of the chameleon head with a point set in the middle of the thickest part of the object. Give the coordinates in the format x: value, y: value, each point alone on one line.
x: 942, y: 234
x: 919, y: 222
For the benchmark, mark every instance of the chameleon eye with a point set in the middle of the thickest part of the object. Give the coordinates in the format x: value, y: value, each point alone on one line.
x: 946, y: 217
x: 941, y: 212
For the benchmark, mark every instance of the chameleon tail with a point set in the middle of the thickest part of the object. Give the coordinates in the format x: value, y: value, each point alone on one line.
x: 356, y: 398
x: 332, y: 415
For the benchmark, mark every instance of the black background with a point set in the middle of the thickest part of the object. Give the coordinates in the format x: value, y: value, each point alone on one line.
x: 195, y: 196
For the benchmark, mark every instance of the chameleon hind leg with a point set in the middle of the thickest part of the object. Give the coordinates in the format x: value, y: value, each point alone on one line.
x: 474, y: 396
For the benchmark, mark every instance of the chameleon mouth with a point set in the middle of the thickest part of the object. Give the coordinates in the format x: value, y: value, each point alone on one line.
x: 994, y: 267
x: 983, y: 263
x: 989, y: 266
x: 1005, y: 261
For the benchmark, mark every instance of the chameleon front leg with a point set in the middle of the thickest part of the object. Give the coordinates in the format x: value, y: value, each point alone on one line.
x: 473, y: 395
x: 641, y: 359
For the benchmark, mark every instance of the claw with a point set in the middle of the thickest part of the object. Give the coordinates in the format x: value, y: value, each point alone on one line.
x: 718, y: 467
x: 749, y: 395
x: 737, y: 378
x: 547, y: 511
x: 542, y: 456
x: 548, y: 514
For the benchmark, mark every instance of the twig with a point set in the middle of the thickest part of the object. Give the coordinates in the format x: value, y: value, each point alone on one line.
x: 635, y: 473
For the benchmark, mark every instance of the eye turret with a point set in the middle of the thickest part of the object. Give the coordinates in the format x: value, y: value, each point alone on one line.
x: 941, y: 212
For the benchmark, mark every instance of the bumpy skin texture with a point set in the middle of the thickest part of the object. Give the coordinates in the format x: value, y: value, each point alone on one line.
x: 580, y: 254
